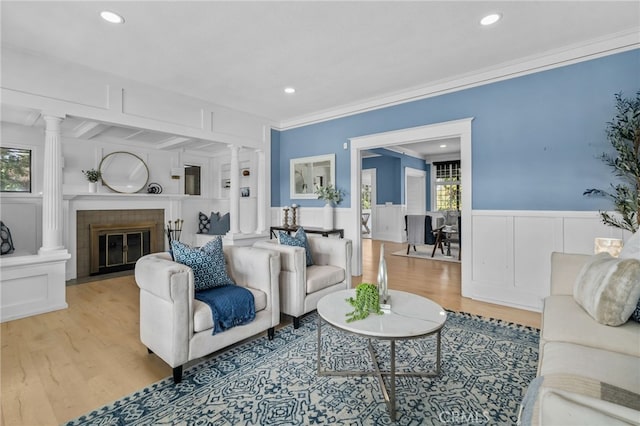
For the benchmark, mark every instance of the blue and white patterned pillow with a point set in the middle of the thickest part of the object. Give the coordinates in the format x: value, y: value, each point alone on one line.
x: 203, y: 223
x: 207, y: 263
x: 299, y: 239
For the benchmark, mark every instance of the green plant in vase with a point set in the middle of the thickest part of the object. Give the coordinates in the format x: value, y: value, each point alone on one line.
x: 92, y: 175
x: 367, y: 300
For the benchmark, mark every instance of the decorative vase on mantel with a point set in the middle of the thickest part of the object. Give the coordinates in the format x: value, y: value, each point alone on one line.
x: 328, y: 216
x: 93, y: 187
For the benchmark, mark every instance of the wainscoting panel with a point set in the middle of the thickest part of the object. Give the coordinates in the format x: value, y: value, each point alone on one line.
x: 511, y: 258
x: 388, y: 223
x: 492, y: 248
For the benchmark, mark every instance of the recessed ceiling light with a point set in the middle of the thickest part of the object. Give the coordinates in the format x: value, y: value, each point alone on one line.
x: 443, y: 146
x: 112, y: 17
x: 289, y: 90
x: 490, y: 19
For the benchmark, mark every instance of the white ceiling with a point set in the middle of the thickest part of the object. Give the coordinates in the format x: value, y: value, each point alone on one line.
x: 336, y: 54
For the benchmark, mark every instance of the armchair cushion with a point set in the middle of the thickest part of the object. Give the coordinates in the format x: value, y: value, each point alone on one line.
x: 207, y: 263
x: 319, y: 277
x: 299, y: 239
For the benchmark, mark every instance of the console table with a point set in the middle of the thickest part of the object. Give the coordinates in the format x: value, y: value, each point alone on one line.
x: 308, y: 230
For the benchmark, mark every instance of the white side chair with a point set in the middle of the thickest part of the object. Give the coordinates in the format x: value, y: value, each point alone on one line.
x: 178, y: 328
x: 301, y: 286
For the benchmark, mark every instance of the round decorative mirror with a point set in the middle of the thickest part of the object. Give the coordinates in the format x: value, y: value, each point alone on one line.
x: 124, y: 172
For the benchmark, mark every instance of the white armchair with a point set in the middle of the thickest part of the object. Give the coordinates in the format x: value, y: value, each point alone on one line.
x: 178, y: 328
x: 300, y: 286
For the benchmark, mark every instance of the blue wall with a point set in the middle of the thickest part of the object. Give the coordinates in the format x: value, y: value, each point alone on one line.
x: 535, y: 142
x: 390, y: 168
x: 275, y: 169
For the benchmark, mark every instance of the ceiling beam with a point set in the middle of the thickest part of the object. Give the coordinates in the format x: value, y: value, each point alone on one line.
x: 88, y: 130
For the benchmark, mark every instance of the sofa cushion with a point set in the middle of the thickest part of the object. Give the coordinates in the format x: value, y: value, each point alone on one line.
x: 219, y: 225
x: 299, y: 239
x: 203, y: 319
x: 631, y: 249
x: 203, y: 223
x: 323, y: 276
x: 615, y: 368
x: 207, y: 263
x: 565, y: 321
x: 608, y: 288
x: 6, y: 242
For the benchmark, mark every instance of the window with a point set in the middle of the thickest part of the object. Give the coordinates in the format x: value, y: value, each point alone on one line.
x: 15, y: 170
x: 192, y: 180
x: 447, y: 185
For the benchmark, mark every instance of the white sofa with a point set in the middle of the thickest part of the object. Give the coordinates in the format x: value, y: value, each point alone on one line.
x: 302, y: 286
x: 577, y: 353
x: 178, y: 328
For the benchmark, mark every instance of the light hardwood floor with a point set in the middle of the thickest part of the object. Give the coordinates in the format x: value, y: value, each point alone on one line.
x: 60, y: 365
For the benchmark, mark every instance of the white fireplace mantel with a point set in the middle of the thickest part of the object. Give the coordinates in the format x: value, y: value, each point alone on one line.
x: 114, y: 195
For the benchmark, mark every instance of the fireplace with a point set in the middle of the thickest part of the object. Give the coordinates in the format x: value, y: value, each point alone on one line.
x: 112, y: 240
x: 117, y: 247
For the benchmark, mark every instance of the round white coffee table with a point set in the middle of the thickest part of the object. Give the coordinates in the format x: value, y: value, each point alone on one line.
x: 411, y: 317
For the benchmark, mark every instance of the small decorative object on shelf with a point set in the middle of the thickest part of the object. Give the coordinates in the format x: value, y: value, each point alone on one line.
x: 93, y: 176
x: 385, y: 300
x: 294, y: 209
x: 285, y: 220
x: 367, y: 300
x: 244, y: 191
x: 154, y: 188
x: 174, y: 233
x: 246, y: 172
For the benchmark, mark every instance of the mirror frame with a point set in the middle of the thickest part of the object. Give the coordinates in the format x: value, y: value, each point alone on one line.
x: 119, y: 188
x: 310, y: 163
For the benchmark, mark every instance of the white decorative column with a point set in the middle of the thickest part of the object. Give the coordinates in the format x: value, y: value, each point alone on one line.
x: 260, y: 196
x: 234, y: 191
x: 52, y: 212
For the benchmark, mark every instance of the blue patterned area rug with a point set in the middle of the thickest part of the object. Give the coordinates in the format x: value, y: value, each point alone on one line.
x: 486, y: 367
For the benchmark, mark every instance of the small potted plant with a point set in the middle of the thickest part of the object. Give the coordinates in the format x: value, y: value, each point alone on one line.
x: 331, y: 195
x: 93, y: 176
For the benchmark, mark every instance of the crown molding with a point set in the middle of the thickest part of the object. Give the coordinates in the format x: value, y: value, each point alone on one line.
x: 567, y: 55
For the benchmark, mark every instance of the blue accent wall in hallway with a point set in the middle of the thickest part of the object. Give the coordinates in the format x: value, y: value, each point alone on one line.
x: 535, y: 138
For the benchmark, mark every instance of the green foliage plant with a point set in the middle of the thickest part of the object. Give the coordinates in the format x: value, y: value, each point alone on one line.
x: 367, y: 301
x: 92, y: 175
x: 329, y: 193
x: 623, y: 133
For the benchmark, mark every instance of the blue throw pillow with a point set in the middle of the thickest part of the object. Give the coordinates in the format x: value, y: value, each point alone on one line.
x: 299, y: 239
x: 220, y: 225
x: 207, y: 263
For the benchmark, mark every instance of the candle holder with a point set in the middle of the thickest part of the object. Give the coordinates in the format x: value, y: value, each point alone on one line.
x: 285, y: 220
x: 294, y: 209
x: 174, y: 233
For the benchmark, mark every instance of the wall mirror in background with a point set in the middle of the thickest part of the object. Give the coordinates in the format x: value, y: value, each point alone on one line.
x: 124, y: 172
x: 308, y: 172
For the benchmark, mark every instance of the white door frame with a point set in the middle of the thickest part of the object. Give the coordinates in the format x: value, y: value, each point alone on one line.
x: 450, y: 129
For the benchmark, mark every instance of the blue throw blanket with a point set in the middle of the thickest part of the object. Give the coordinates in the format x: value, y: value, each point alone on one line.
x: 231, y: 305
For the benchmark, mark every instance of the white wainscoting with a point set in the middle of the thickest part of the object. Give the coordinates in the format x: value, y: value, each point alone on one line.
x: 32, y: 284
x: 511, y: 251
x: 388, y: 223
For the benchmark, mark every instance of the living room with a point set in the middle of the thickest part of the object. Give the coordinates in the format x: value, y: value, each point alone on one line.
x: 531, y: 122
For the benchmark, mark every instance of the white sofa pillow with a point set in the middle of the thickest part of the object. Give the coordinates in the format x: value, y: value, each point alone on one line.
x: 608, y: 288
x: 631, y: 249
